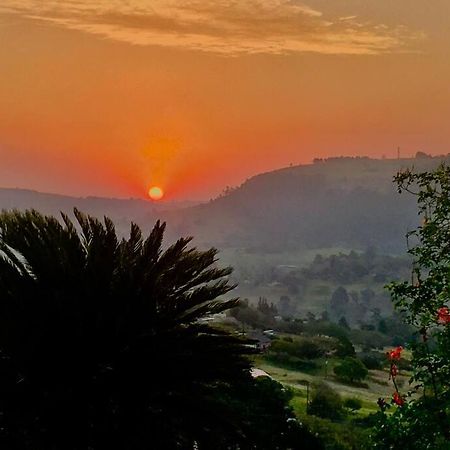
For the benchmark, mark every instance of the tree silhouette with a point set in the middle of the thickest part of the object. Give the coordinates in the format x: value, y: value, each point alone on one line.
x: 104, y: 342
x: 339, y: 301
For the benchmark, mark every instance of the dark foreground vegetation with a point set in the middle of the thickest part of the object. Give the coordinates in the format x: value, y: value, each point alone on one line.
x: 104, y: 345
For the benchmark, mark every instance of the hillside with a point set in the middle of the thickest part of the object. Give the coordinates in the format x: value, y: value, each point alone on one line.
x: 341, y: 202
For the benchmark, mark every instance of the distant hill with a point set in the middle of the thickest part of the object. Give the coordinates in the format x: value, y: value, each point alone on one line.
x: 122, y: 211
x: 337, y: 202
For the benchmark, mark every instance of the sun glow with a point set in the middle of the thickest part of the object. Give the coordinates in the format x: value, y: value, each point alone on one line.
x: 155, y: 193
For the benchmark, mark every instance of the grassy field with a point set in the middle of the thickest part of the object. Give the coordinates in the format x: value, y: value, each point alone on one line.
x: 245, y: 258
x: 377, y: 382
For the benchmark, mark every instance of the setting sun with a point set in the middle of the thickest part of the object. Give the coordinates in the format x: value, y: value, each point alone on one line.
x: 155, y: 193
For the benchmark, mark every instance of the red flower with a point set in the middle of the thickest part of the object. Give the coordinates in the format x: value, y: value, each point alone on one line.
x: 394, y: 371
x: 443, y: 315
x: 397, y: 399
x: 395, y: 354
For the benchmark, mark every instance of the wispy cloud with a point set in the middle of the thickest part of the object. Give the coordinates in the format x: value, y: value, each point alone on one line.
x: 227, y: 27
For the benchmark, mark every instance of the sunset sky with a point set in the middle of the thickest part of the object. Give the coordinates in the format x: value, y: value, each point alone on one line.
x: 109, y: 97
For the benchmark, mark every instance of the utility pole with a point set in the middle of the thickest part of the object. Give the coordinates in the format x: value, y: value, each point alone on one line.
x: 398, y: 152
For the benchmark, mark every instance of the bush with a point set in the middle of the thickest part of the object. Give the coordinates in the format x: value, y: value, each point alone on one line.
x: 326, y: 402
x: 423, y: 421
x: 372, y: 360
x: 304, y: 347
x: 290, y: 362
x: 353, y: 403
x: 351, y: 369
x: 369, y: 339
x: 337, y: 436
x: 344, y: 347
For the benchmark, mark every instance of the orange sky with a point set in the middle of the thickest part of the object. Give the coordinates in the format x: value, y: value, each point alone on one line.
x: 110, y: 97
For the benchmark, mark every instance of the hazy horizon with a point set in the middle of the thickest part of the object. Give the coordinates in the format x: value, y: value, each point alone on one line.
x: 221, y: 191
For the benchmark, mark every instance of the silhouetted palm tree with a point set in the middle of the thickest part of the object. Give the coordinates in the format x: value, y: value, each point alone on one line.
x: 102, y: 342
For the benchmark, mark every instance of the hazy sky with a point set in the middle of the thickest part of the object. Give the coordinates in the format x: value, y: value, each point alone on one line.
x: 110, y: 97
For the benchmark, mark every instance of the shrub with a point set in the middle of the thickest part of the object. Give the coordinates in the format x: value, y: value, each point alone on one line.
x: 372, y: 360
x: 353, y: 403
x: 422, y: 421
x: 344, y: 347
x: 304, y: 347
x: 338, y: 436
x: 351, y: 369
x: 325, y: 402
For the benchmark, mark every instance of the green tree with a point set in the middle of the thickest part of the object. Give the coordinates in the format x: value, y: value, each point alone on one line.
x: 272, y: 421
x: 351, y: 369
x: 104, y: 344
x: 344, y: 347
x: 339, y: 301
x: 423, y: 420
x: 266, y: 309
